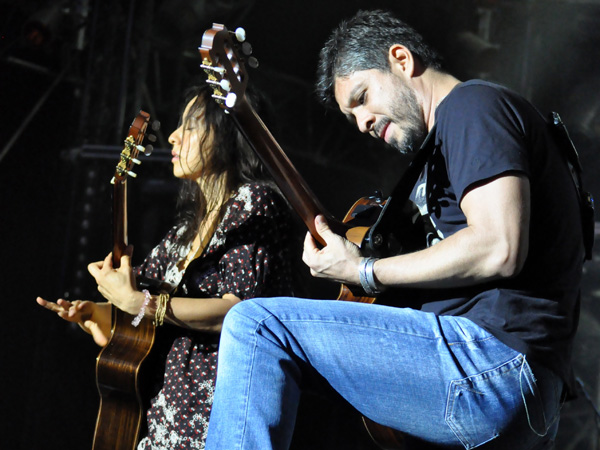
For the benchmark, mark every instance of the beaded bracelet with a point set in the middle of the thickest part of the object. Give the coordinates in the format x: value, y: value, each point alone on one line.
x: 137, y: 319
x: 366, y: 276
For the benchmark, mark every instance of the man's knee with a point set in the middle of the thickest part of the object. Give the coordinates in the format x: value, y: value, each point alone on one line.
x: 253, y: 310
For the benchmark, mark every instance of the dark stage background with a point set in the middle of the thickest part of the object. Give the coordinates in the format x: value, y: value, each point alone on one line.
x: 73, y: 74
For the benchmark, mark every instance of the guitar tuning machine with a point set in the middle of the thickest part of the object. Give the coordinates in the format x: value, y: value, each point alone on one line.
x: 253, y: 62
x: 211, y: 68
x: 225, y: 85
x: 121, y: 172
x: 230, y: 100
x: 247, y: 48
x: 147, y: 150
x: 240, y: 34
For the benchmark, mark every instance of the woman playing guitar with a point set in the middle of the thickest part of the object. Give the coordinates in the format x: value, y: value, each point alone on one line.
x: 229, y: 243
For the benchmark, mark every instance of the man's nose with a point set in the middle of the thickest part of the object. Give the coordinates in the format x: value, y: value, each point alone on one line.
x: 365, y: 121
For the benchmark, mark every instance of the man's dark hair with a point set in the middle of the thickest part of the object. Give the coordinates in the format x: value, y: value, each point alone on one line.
x: 362, y: 43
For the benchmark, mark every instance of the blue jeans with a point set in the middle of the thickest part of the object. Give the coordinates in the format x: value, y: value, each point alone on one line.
x: 443, y: 381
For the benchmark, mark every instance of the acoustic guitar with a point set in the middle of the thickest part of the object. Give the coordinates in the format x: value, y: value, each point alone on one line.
x: 118, y: 365
x: 367, y: 224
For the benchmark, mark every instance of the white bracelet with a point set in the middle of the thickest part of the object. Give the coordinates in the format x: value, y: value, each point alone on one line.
x: 137, y: 319
x: 367, y: 277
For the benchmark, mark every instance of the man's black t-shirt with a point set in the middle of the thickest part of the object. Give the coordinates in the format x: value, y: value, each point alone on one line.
x: 485, y: 131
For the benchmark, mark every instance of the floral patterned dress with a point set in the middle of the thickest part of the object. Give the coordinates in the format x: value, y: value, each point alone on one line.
x: 247, y: 256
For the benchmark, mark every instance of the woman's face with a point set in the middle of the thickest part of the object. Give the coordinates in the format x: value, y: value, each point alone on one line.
x: 191, y: 143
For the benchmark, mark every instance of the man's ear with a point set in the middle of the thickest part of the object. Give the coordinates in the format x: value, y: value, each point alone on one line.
x: 401, y: 60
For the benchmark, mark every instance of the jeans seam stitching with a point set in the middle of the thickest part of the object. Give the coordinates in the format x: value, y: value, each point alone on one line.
x: 501, y: 370
x: 249, y: 368
x: 471, y: 341
x: 358, y: 325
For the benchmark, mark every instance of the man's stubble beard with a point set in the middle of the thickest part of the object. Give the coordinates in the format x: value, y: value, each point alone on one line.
x: 407, y: 114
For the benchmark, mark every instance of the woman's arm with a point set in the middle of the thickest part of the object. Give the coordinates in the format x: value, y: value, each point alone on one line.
x: 204, y: 314
x: 118, y: 287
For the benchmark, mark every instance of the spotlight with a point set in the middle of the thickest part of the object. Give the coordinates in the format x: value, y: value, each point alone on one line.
x: 43, y: 26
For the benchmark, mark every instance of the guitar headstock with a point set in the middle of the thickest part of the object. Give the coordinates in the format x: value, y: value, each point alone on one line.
x: 224, y: 57
x: 132, y: 148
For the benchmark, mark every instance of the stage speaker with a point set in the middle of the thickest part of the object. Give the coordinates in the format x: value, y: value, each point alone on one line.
x: 87, y: 221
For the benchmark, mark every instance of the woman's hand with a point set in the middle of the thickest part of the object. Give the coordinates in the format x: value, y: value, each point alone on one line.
x: 93, y: 318
x: 337, y: 261
x: 117, y: 285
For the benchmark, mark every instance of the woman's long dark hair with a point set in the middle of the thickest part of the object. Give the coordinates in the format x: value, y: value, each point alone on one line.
x: 229, y: 161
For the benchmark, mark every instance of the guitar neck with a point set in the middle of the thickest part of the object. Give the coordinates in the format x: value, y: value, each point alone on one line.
x: 119, y: 221
x: 287, y: 178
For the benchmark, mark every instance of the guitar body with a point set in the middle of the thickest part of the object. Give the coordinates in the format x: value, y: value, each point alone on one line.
x: 118, y: 365
x: 386, y: 438
x: 356, y: 234
x: 365, y: 230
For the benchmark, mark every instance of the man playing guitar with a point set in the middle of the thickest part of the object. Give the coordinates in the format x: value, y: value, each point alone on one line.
x: 485, y: 360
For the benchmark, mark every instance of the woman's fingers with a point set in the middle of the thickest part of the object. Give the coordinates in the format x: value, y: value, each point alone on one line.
x: 99, y: 337
x: 54, y: 307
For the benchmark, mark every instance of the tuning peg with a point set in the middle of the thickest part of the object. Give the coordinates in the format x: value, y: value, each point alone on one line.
x: 253, y: 62
x: 147, y: 150
x: 217, y: 69
x: 230, y: 100
x: 225, y: 84
x: 247, y: 48
x: 135, y: 161
x: 131, y: 174
x: 155, y: 125
x: 240, y: 34
x: 151, y: 137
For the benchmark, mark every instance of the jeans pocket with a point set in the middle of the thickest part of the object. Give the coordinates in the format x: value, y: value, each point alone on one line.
x: 504, y: 400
